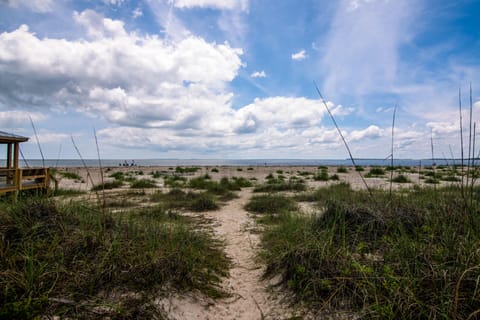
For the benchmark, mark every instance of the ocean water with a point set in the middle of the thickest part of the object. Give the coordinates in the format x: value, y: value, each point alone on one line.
x: 231, y: 162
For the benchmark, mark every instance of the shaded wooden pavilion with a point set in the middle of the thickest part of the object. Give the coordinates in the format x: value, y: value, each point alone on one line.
x: 12, y: 177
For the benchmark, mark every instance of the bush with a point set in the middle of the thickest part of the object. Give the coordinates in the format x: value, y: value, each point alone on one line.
x: 342, y: 170
x: 321, y: 176
x: 401, y: 179
x: 143, y: 183
x: 275, y: 185
x: 270, y: 204
x: 108, y: 185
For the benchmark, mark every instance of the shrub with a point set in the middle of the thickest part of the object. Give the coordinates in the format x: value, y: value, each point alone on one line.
x: 401, y: 179
x: 321, y: 176
x: 270, y: 204
x: 108, y: 185
x: 143, y: 183
x: 342, y: 170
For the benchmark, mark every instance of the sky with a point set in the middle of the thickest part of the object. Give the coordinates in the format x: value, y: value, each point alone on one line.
x: 236, y: 79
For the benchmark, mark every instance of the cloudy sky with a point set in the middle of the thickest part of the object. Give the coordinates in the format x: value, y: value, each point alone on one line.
x: 235, y: 78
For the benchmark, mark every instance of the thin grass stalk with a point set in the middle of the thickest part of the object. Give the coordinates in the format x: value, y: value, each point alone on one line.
x: 38, y: 141
x: 101, y: 173
x: 461, y: 142
x: 473, y: 177
x: 58, y: 156
x: 23, y: 157
x: 391, y: 154
x: 343, y: 138
x: 89, y: 176
x: 470, y: 138
x: 433, y: 162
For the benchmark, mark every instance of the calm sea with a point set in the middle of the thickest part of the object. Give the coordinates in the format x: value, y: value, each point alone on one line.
x: 231, y: 162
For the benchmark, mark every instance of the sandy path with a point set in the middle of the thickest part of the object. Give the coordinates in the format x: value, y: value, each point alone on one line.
x: 250, y: 296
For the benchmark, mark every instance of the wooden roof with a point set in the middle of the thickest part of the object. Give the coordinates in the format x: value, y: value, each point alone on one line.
x: 6, y: 137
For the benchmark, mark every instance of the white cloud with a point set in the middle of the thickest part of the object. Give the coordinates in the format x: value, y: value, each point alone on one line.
x: 17, y: 119
x: 217, y: 4
x: 34, y: 5
x: 137, y: 13
x: 114, y: 2
x: 99, y: 27
x: 372, y: 132
x: 258, y: 74
x: 362, y: 46
x: 299, y: 56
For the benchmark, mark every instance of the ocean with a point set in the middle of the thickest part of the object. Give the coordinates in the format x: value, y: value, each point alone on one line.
x: 231, y: 162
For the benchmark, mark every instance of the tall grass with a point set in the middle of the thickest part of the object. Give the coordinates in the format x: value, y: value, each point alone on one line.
x: 67, y: 261
x: 411, y: 255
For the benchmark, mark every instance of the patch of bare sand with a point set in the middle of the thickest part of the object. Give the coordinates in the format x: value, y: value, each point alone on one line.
x: 251, y: 297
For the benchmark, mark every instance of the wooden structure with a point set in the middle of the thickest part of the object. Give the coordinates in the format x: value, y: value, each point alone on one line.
x: 15, y: 179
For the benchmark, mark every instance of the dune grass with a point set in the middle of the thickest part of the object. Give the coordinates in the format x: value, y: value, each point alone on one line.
x: 71, y: 261
x: 413, y: 255
x: 273, y: 184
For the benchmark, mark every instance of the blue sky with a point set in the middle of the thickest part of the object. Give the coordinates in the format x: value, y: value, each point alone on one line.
x: 234, y: 78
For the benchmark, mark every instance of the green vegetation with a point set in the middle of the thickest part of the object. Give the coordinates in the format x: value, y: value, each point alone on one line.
x: 401, y: 179
x: 175, y: 181
x: 214, y: 170
x: 224, y: 187
x: 70, y: 175
x: 143, y: 183
x: 270, y: 204
x: 342, y: 170
x: 108, y: 185
x: 156, y: 174
x: 73, y: 261
x: 275, y: 185
x: 375, y: 172
x: 410, y: 255
x: 66, y: 192
x: 186, y: 169
x: 179, y: 199
x: 359, y: 169
x: 321, y: 176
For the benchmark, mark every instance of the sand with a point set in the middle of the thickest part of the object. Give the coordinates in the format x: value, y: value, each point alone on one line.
x: 250, y: 296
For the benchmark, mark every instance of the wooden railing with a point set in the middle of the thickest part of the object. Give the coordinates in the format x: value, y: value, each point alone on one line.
x: 24, y: 179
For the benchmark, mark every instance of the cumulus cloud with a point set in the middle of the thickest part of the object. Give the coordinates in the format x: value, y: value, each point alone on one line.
x: 299, y: 56
x: 372, y: 132
x: 258, y: 74
x: 123, y: 77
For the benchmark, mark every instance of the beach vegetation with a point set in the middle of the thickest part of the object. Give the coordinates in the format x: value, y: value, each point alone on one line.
x: 108, y: 185
x: 143, y: 183
x: 276, y: 185
x: 375, y: 172
x: 391, y: 256
x: 70, y: 260
x: 186, y: 169
x: 401, y: 179
x: 70, y: 175
x: 179, y: 199
x: 342, y: 169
